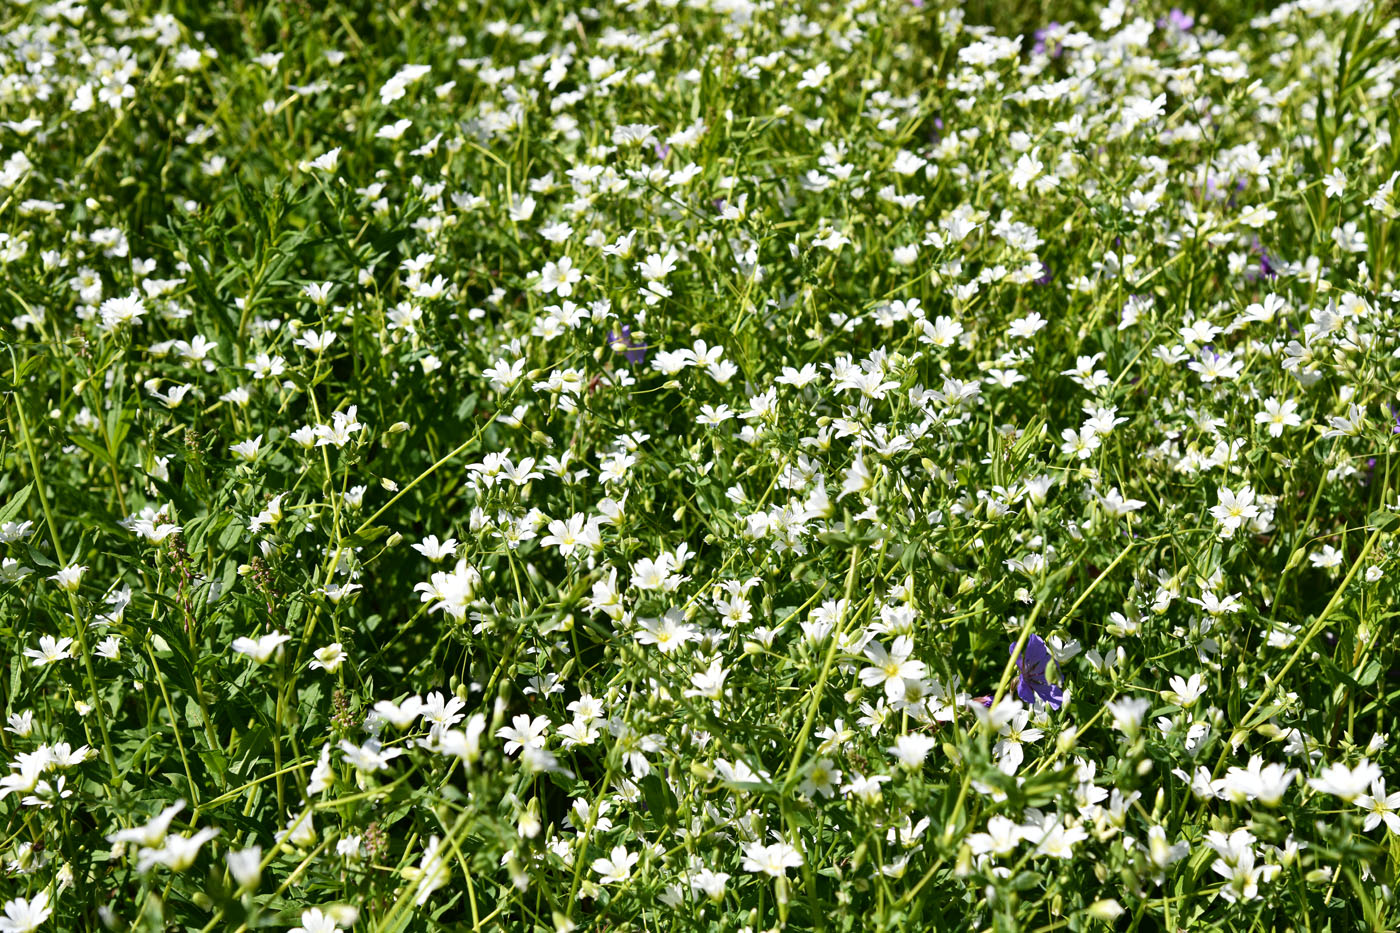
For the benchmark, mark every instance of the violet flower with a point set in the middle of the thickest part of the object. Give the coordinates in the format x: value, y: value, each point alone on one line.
x: 1032, y: 685
x: 622, y: 342
x: 1052, y: 48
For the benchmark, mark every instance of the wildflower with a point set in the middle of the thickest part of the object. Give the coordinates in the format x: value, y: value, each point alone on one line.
x: 260, y: 649
x: 616, y: 866
x: 153, y: 832
x: 1233, y: 509
x: 335, y: 592
x: 326, y: 162
x: 1347, y: 783
x: 621, y: 342
x: 70, y: 578
x: 50, y: 650
x: 435, y: 550
x: 398, y: 85
x: 892, y: 668
x: 451, y: 592
x: 1000, y: 839
x: 1032, y: 683
x: 1278, y: 415
x: 371, y: 756
x: 772, y: 860
x: 1008, y: 751
x: 247, y: 450
x: 822, y: 778
x: 431, y: 873
x: 1163, y: 854
x: 313, y: 920
x: 328, y: 658
x: 177, y: 853
x: 1380, y: 807
x: 1127, y: 713
x: 565, y: 535
x: 1263, y: 783
x: 338, y: 432
x: 560, y: 277
x: 1185, y: 693
x: 118, y: 311
x: 522, y: 732
x: 1058, y: 840
x: 710, y: 883
x: 245, y: 865
x: 912, y: 748
x: 23, y: 915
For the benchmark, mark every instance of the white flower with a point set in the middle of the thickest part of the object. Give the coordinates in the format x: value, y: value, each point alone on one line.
x: 25, y: 915
x: 773, y: 860
x: 1278, y: 415
x: 1259, y: 782
x: 125, y: 310
x: 321, y: 774
x: 395, y: 87
x: 70, y: 577
x: 432, y: 872
x: 245, y: 865
x: 617, y: 866
x: 328, y: 658
x: 335, y: 592
x: 50, y: 650
x: 559, y: 277
x: 1000, y: 839
x: 1234, y: 509
x: 667, y: 633
x: 247, y: 450
x: 1185, y: 693
x: 1057, y: 841
x: 324, y: 163
x: 891, y: 668
x: 709, y: 883
x: 912, y: 748
x: 435, y: 550
x: 152, y: 833
x: 178, y: 852
x: 451, y: 592
x: 1379, y: 806
x: 313, y: 920
x: 393, y: 130
x: 1346, y: 783
x: 262, y: 647
x: 524, y: 732
x: 1127, y: 713
x: 371, y: 756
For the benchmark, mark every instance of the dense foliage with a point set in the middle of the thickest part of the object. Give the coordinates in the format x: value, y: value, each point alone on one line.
x: 723, y: 465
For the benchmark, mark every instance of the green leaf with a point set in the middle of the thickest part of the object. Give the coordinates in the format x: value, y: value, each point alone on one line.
x: 1383, y: 520
x: 17, y: 501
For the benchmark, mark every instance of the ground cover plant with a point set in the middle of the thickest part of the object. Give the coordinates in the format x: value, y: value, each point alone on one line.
x: 715, y: 466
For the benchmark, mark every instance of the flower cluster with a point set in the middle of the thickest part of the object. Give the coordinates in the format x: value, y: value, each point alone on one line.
x: 716, y: 466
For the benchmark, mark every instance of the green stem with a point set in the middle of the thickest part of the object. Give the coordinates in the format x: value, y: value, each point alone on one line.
x: 98, y: 713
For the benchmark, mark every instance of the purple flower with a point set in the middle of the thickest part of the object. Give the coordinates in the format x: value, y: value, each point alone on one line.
x: 1052, y: 48
x: 635, y: 353
x: 1268, y: 265
x: 1032, y: 684
x: 1180, y: 20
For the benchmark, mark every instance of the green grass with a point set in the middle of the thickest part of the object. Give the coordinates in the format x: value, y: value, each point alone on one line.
x: 698, y: 467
